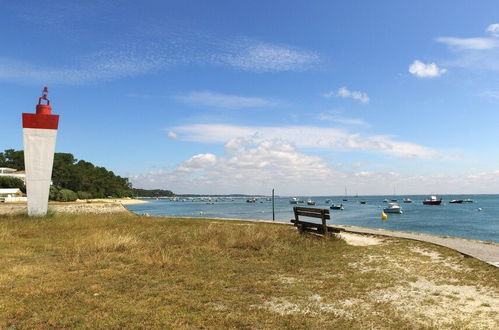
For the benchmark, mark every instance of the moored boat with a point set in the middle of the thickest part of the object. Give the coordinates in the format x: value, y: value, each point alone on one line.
x: 407, y: 200
x: 432, y: 200
x: 336, y: 207
x: 393, y: 208
x: 310, y: 202
x: 456, y: 201
x: 363, y: 202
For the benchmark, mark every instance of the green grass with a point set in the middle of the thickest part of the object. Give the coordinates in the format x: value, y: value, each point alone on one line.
x: 129, y: 272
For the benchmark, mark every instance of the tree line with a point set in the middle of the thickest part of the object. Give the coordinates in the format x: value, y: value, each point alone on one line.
x: 152, y: 193
x: 72, y: 178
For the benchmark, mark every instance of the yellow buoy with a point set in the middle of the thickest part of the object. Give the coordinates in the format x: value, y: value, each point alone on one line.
x: 383, y: 216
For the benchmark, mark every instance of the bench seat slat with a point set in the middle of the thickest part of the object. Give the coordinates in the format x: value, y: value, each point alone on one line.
x: 313, y: 215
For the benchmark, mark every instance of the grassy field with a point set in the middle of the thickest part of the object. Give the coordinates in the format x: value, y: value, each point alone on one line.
x: 129, y: 272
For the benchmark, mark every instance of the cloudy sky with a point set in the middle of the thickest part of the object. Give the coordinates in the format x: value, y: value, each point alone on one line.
x: 306, y: 97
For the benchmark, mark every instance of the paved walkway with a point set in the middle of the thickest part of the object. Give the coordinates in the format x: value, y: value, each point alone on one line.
x: 485, y: 251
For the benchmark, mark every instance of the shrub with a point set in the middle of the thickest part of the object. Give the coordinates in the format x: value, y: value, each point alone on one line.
x: 53, y: 193
x: 84, y: 195
x: 12, y: 182
x: 66, y: 195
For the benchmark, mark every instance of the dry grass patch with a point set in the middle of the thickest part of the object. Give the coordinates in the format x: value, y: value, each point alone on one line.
x: 444, y: 305
x: 128, y: 272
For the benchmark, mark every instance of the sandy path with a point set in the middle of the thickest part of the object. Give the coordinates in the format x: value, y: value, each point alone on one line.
x: 485, y: 251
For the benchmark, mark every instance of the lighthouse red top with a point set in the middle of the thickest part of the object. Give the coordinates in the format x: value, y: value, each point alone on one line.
x: 43, y: 119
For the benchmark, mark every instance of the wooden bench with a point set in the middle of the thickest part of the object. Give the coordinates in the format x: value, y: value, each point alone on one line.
x: 311, y: 212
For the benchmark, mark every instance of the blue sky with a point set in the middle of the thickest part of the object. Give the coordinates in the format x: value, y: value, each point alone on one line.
x: 244, y: 96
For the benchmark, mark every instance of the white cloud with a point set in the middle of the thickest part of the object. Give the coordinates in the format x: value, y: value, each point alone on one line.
x: 211, y: 99
x: 103, y: 65
x: 307, y: 137
x: 479, y: 53
x: 469, y: 43
x: 423, y: 70
x: 247, y: 166
x: 493, y: 30
x: 173, y: 135
x: 151, y: 49
x: 346, y: 93
x: 198, y: 162
x: 341, y: 120
x: 265, y: 57
x: 358, y: 165
x: 256, y: 167
x: 490, y: 93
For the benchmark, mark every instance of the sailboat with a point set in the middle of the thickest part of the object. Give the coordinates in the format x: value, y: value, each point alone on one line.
x: 345, y: 199
x: 394, y: 194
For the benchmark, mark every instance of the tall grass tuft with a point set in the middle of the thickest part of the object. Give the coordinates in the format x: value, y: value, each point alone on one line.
x: 109, y: 242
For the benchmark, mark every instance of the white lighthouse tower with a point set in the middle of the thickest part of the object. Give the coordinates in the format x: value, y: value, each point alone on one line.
x: 39, y: 132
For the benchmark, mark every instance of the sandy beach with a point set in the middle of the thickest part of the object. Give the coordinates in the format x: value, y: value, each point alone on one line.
x: 122, y: 201
x: 89, y: 206
x: 9, y: 209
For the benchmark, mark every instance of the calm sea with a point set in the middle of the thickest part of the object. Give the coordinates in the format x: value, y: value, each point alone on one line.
x: 477, y: 220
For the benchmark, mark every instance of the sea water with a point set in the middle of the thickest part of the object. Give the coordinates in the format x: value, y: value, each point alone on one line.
x: 478, y: 220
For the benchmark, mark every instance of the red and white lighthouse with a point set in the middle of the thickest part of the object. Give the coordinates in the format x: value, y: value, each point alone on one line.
x: 39, y: 132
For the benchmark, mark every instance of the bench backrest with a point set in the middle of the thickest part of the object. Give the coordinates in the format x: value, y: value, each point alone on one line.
x: 311, y: 212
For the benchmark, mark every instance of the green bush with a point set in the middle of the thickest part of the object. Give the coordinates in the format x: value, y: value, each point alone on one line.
x: 84, y: 195
x: 12, y: 182
x: 66, y: 195
x: 53, y: 193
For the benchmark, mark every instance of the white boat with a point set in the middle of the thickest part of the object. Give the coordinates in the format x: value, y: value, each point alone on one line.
x: 294, y: 200
x: 432, y: 200
x: 385, y: 200
x: 310, y: 202
x: 407, y: 200
x: 393, y: 208
x: 336, y: 207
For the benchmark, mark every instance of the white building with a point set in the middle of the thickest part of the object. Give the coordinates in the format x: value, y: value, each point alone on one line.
x: 12, y: 172
x: 11, y: 195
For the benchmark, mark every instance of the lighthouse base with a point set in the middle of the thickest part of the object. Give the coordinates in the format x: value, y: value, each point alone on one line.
x: 39, y: 148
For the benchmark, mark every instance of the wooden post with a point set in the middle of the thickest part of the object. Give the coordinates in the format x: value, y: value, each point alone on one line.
x: 273, y: 206
x: 298, y: 225
x: 324, y: 225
